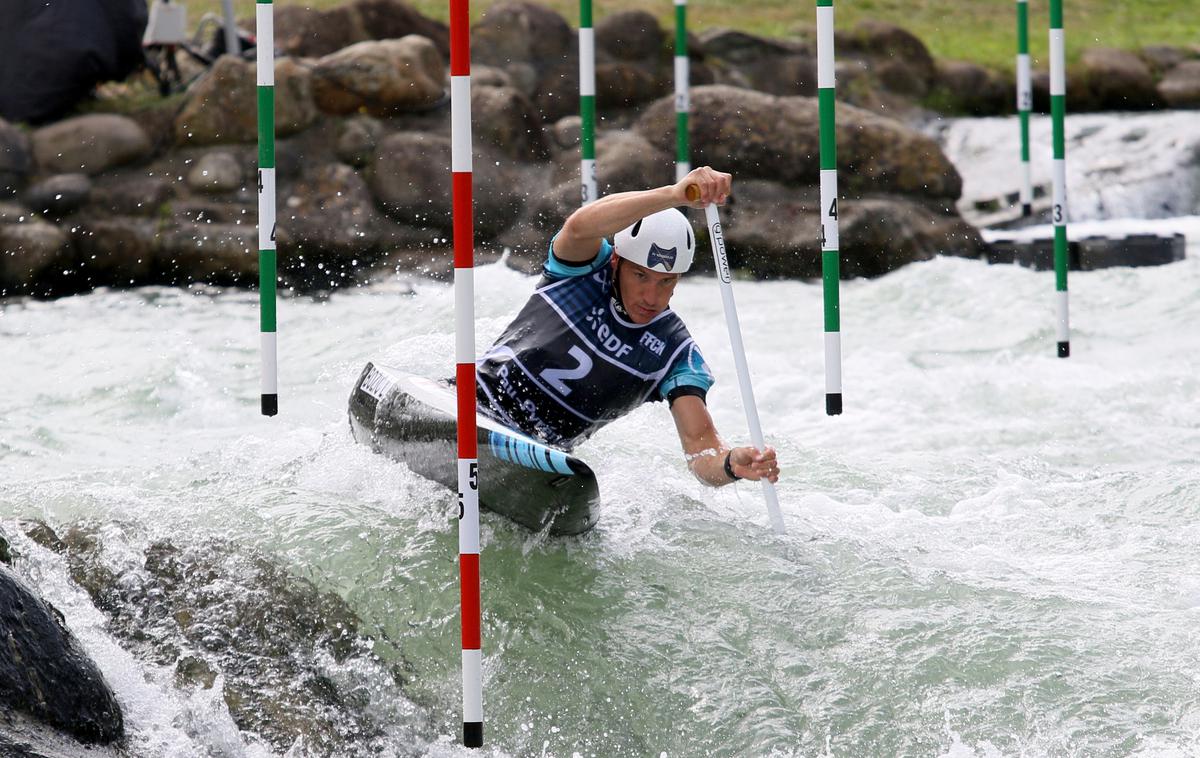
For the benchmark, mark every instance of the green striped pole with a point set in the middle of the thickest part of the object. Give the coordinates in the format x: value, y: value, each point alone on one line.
x: 1024, y: 103
x: 830, y: 262
x: 265, y: 48
x: 1058, y: 113
x: 587, y: 100
x: 683, y: 161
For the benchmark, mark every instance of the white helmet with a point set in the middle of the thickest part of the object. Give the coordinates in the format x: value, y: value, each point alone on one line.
x: 662, y: 241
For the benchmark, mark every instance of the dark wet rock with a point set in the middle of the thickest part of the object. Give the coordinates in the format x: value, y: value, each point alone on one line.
x: 746, y: 60
x: 16, y: 159
x: 91, y: 144
x: 775, y: 234
x: 6, y: 556
x: 1163, y: 58
x: 567, y: 132
x: 207, y: 252
x: 506, y: 120
x: 970, y: 89
x: 490, y: 76
x: 115, y: 249
x: 409, y: 178
x: 216, y: 172
x: 381, y: 77
x: 222, y: 106
x: 304, y: 32
x: 357, y: 140
x: 755, y: 135
x: 1109, y: 79
x: 633, y: 35
x: 1180, y: 88
x: 46, y: 673
x: 624, y: 161
x: 622, y: 84
x: 59, y: 195
x: 134, y: 195
x: 272, y: 641
x: 900, y: 60
x: 32, y: 254
x: 537, y: 48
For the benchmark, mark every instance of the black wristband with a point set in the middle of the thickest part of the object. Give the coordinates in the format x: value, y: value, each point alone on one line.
x: 729, y: 468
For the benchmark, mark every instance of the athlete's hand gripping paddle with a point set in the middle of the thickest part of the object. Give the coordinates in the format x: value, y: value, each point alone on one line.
x: 739, y: 353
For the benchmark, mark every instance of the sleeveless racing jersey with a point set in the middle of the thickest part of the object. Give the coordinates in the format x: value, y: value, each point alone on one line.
x: 571, y: 362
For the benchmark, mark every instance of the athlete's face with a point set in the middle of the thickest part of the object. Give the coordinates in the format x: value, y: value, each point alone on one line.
x: 644, y: 293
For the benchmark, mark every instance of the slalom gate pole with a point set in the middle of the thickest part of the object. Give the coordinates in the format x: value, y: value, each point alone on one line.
x: 683, y: 160
x: 464, y: 354
x: 717, y: 239
x: 1058, y: 113
x: 1024, y: 103
x: 265, y: 74
x: 587, y: 101
x: 831, y: 266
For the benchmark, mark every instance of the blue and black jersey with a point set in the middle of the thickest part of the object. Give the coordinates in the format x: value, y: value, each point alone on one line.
x: 571, y: 362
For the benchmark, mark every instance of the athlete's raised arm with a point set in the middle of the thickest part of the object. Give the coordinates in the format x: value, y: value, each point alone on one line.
x: 707, y: 454
x: 580, y: 237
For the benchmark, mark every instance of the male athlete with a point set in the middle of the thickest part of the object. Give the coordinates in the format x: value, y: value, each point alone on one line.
x: 597, y: 338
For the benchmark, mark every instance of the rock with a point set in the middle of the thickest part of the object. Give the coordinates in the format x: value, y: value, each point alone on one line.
x: 30, y: 251
x: 357, y: 140
x: 567, y: 132
x: 91, y: 144
x: 631, y: 36
x: 623, y: 85
x: 746, y: 60
x: 13, y: 213
x: 59, y: 195
x: 222, y: 106
x: 1163, y: 58
x: 755, y: 135
x: 773, y: 232
x: 382, y: 77
x: 625, y: 161
x: 16, y: 159
x: 133, y: 196
x: 970, y: 89
x: 212, y: 253
x: 46, y: 673
x: 116, y: 251
x: 215, y: 172
x: 537, y: 48
x: 410, y: 179
x: 490, y: 76
x: 1113, y: 80
x: 900, y: 60
x: 307, y: 33
x: 506, y: 120
x: 1180, y: 88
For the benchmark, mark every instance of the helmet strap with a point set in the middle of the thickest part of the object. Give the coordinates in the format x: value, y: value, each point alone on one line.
x: 616, y: 297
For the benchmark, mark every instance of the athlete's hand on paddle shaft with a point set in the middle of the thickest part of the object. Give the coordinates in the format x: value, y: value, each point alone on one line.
x: 750, y: 464
x: 710, y: 187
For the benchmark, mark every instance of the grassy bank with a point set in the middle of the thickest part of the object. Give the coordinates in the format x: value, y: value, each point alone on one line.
x: 978, y: 30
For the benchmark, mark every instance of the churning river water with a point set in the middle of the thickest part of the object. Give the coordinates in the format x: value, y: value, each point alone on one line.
x: 993, y: 552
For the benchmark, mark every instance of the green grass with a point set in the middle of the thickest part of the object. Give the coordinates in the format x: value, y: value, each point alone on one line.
x: 983, y: 31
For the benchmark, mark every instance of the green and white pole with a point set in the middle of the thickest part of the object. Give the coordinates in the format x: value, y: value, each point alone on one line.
x: 830, y: 260
x: 1058, y: 114
x: 1024, y: 103
x: 587, y: 101
x: 683, y: 160
x: 265, y: 46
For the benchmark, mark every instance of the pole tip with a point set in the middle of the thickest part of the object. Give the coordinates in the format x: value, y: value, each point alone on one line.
x: 270, y: 405
x: 472, y: 734
x: 1064, y: 350
x: 833, y: 404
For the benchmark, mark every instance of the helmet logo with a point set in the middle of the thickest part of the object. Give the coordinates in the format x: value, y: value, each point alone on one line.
x: 657, y: 255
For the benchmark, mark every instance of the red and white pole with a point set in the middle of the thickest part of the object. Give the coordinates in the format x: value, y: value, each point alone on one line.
x: 464, y: 355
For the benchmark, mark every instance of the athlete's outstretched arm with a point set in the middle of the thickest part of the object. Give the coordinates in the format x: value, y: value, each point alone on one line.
x: 581, y: 234
x: 705, y: 451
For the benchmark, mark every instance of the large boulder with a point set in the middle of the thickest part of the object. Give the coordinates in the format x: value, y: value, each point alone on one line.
x: 32, y: 254
x: 1113, y: 80
x: 630, y: 36
x: 505, y: 119
x: 90, y: 144
x: 16, y: 159
x: 755, y: 135
x: 46, y: 673
x: 59, y: 195
x: 1180, y: 88
x: 304, y: 32
x: 382, y: 77
x: 970, y: 89
x: 115, y: 250
x: 537, y: 48
x: 410, y: 177
x: 213, y: 253
x: 222, y: 106
x: 745, y: 60
x: 899, y: 60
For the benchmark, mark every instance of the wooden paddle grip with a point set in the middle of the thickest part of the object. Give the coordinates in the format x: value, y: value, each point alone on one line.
x: 692, y: 192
